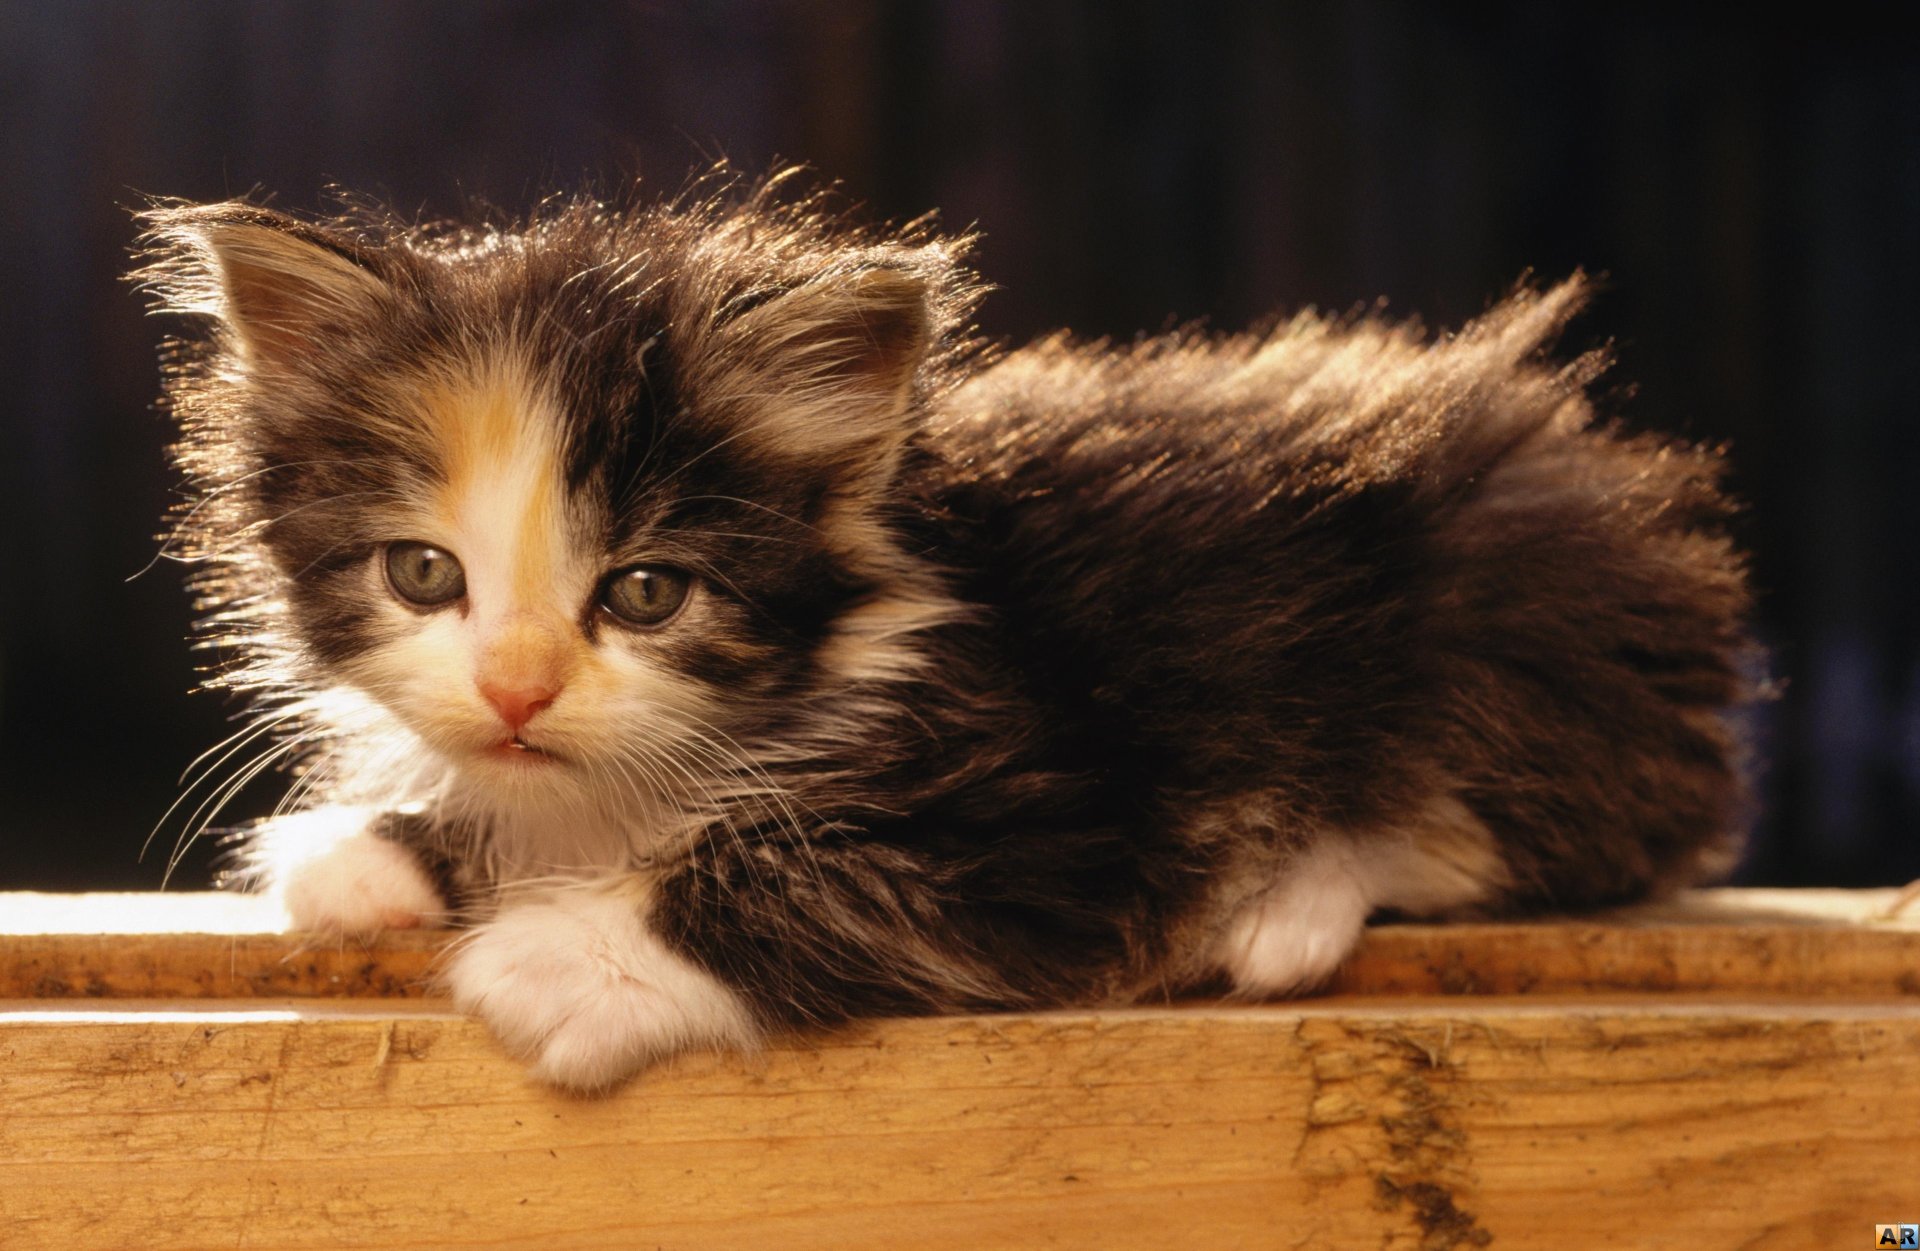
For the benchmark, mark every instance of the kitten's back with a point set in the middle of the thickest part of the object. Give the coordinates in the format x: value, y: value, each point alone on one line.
x: 1368, y: 577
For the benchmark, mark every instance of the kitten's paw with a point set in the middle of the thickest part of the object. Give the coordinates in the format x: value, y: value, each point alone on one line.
x: 1293, y: 937
x: 332, y: 875
x: 574, y: 981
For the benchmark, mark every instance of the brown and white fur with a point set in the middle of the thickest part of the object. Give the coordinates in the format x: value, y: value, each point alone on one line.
x: 1073, y: 674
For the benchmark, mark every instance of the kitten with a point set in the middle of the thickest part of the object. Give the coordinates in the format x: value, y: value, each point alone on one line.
x: 681, y: 599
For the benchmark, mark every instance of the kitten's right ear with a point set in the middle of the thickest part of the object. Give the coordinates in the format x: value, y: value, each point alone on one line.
x: 274, y: 282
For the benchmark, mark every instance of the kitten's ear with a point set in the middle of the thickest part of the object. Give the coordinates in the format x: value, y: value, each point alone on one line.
x: 845, y: 349
x: 274, y: 282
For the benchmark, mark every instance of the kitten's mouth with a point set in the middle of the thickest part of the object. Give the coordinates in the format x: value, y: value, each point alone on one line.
x: 518, y: 749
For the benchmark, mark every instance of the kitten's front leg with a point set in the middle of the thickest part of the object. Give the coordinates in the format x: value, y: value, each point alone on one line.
x: 593, y: 982
x: 573, y: 979
x: 344, y: 870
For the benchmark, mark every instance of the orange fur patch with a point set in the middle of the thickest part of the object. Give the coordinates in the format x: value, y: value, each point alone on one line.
x: 504, y: 503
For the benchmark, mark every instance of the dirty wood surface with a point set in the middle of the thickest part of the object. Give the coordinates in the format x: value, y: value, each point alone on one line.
x: 1725, y: 1078
x: 1835, y: 944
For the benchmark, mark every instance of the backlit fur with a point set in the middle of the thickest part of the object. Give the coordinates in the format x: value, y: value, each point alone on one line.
x: 1071, y: 674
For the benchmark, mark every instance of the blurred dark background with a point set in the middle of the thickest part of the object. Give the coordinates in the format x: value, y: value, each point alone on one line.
x: 1750, y: 191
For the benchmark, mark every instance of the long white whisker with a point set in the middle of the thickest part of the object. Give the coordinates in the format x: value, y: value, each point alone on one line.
x: 218, y: 800
x: 244, y: 737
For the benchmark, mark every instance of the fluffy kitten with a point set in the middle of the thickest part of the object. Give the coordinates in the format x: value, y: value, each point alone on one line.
x: 678, y: 597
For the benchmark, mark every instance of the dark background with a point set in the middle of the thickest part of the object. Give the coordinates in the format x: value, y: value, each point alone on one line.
x: 1750, y: 192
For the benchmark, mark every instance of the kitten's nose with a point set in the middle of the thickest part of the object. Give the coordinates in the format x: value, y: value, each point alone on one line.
x: 516, y: 705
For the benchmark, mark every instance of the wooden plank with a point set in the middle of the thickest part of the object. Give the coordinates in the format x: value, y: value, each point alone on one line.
x: 1834, y: 944
x: 193, y: 945
x: 214, y: 966
x: 1433, y: 1124
x: 1831, y: 944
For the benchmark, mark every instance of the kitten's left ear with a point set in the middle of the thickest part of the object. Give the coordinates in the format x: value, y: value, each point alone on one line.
x: 845, y: 349
x: 276, y: 283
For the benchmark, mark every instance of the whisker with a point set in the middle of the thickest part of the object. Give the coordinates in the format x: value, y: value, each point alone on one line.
x: 185, y: 519
x: 219, y: 799
x: 734, y: 499
x: 245, y: 737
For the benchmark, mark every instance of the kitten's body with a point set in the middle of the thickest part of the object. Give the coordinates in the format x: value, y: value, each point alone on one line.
x: 1079, y: 675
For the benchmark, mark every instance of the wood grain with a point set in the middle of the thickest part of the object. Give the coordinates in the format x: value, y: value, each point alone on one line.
x: 1838, y: 944
x: 1729, y: 1070
x: 1436, y: 1125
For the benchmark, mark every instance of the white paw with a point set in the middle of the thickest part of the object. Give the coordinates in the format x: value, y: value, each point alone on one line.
x: 1293, y: 937
x: 573, y: 980
x: 330, y: 874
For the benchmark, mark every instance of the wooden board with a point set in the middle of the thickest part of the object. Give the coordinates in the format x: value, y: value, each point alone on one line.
x: 1831, y: 944
x: 1366, y: 1124
x: 1732, y: 1070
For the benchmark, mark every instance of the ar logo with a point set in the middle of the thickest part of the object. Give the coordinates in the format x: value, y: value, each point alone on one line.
x: 1896, y: 1236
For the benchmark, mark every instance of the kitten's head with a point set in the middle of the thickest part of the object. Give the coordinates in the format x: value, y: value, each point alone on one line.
x: 579, y: 502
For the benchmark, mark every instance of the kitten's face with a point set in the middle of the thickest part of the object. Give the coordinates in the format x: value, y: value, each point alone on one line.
x: 529, y: 627
x: 582, y: 509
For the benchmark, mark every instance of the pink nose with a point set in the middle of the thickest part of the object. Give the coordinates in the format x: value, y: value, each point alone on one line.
x: 516, y: 705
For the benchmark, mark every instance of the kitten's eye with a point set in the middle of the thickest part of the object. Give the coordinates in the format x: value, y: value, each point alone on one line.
x: 424, y: 575
x: 646, y: 595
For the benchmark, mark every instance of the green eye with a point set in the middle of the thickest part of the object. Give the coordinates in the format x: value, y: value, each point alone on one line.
x: 424, y: 576
x: 646, y: 595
